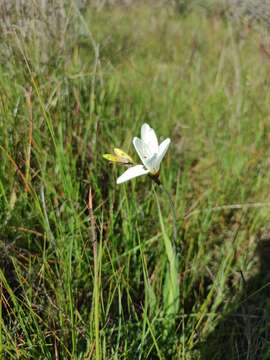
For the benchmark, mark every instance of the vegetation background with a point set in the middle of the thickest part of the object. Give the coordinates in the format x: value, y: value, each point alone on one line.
x: 103, y: 282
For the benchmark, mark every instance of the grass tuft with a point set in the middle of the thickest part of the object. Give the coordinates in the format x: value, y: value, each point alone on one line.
x: 95, y: 275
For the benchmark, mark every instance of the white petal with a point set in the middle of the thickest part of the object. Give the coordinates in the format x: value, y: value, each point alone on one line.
x: 142, y: 150
x: 131, y: 173
x: 149, y: 137
x: 152, y: 164
x: 163, y: 147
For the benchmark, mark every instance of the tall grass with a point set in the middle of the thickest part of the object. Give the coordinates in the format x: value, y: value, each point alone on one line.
x: 96, y: 276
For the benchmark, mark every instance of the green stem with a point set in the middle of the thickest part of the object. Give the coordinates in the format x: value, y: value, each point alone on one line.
x: 171, y: 279
x: 173, y: 210
x: 96, y: 274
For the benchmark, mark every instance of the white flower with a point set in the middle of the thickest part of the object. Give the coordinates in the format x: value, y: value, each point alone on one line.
x: 150, y: 153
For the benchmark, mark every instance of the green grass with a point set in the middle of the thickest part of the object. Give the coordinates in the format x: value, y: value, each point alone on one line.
x: 109, y: 285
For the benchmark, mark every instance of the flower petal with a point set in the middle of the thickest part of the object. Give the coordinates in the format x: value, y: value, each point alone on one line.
x: 163, y: 147
x: 152, y: 164
x: 149, y: 137
x: 131, y: 173
x: 123, y: 155
x: 111, y: 157
x: 142, y: 149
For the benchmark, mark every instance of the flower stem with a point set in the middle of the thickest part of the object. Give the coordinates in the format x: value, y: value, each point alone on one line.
x: 171, y: 276
x: 173, y: 210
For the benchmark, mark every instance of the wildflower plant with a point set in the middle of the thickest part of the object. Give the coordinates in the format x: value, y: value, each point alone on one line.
x: 151, y: 154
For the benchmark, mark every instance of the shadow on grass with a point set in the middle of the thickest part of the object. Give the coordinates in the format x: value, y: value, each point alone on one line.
x: 245, y: 332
